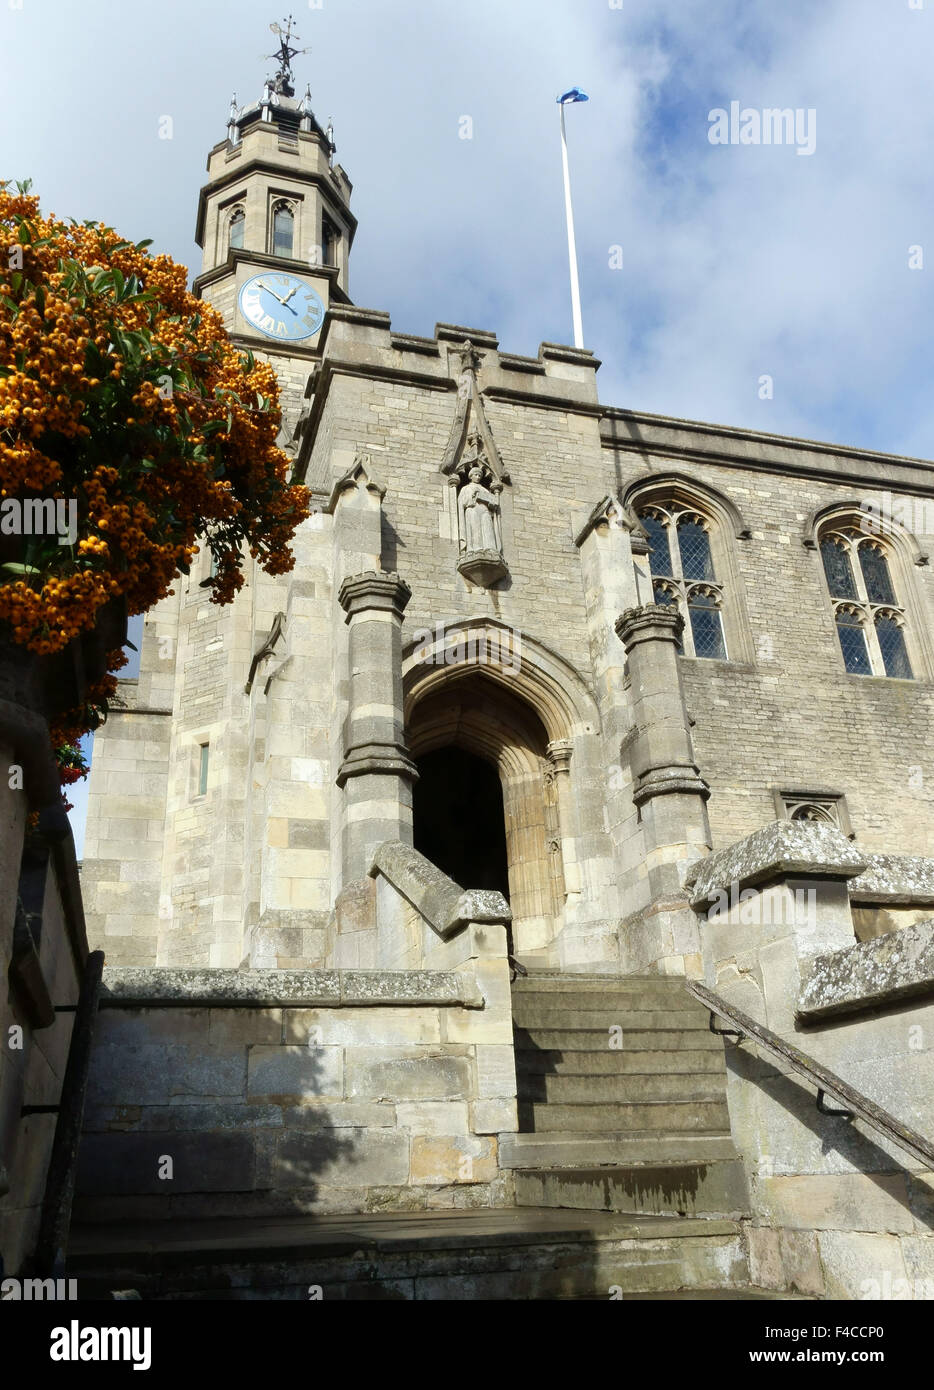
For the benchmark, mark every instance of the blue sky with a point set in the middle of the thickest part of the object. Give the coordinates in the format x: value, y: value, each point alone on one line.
x: 738, y: 261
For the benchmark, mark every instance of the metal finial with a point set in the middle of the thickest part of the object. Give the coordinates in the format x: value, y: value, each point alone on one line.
x: 234, y: 113
x: 330, y: 135
x: 284, y: 56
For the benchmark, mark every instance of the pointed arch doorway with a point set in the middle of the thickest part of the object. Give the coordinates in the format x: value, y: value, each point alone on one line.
x: 484, y: 810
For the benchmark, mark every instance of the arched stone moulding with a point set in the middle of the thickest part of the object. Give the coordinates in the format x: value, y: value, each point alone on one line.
x: 523, y: 717
x: 534, y: 672
x: 689, y: 492
x: 876, y: 523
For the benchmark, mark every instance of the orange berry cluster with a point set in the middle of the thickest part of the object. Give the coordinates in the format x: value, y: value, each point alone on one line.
x: 121, y: 390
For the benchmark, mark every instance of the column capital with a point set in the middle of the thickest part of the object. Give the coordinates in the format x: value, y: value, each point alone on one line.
x: 559, y: 754
x: 653, y: 622
x: 374, y: 589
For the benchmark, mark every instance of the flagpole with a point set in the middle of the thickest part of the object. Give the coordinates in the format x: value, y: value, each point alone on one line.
x: 572, y: 247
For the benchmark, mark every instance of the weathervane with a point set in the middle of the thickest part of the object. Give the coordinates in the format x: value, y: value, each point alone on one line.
x: 284, y: 56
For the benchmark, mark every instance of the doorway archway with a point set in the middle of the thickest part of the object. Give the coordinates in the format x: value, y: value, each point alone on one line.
x: 459, y: 821
x: 484, y: 805
x: 483, y: 687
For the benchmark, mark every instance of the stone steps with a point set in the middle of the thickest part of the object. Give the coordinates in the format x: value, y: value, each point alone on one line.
x: 657, y: 1039
x: 709, y: 1117
x: 565, y: 1149
x: 642, y: 1128
x: 625, y: 1088
x: 544, y: 1014
x: 612, y: 998
x: 512, y: 1254
x: 604, y: 1062
x: 676, y: 1189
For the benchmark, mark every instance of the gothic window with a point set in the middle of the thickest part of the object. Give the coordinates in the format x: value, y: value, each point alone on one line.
x: 283, y: 229
x: 870, y: 620
x: 235, y: 227
x: 683, y: 575
x: 330, y: 240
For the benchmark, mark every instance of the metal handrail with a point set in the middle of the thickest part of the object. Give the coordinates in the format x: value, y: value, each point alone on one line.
x: 907, y: 1139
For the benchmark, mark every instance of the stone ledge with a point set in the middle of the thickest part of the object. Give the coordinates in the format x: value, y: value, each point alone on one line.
x: 804, y: 849
x: 895, y: 878
x: 136, y: 987
x: 889, y: 968
x: 445, y: 906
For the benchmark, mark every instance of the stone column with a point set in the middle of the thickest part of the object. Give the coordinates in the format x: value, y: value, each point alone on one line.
x: 668, y: 789
x: 559, y: 756
x: 376, y: 772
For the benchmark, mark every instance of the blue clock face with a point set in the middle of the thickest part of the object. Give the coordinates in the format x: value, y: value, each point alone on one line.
x: 281, y: 306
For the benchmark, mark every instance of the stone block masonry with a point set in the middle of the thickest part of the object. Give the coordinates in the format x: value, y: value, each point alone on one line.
x: 250, y: 1092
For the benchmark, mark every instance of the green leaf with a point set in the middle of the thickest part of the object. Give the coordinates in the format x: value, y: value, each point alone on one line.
x: 14, y: 567
x: 141, y: 245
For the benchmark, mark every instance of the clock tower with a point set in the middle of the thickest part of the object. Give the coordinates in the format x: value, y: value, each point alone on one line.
x: 275, y: 227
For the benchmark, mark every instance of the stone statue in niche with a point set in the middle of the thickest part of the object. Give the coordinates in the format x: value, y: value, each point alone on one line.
x: 478, y: 517
x: 478, y: 509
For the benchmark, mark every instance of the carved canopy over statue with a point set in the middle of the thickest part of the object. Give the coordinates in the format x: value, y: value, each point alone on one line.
x: 475, y: 470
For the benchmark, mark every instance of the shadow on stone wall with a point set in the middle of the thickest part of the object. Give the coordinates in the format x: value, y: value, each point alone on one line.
x: 789, y: 1164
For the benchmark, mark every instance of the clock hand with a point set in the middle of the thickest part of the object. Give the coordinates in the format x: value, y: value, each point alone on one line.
x: 290, y: 293
x: 262, y: 286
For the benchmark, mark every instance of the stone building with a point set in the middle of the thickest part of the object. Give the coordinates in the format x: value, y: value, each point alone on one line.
x: 622, y: 700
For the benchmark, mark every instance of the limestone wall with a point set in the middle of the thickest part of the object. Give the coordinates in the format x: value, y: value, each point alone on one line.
x: 331, y: 1091
x: 793, y: 717
x: 841, y: 1211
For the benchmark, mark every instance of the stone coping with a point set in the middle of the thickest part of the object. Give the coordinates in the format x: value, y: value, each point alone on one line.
x: 134, y: 987
x: 895, y: 878
x: 445, y: 906
x: 805, y: 849
x: 882, y: 971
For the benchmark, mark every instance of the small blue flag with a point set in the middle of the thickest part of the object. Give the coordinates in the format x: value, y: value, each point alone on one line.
x: 575, y: 94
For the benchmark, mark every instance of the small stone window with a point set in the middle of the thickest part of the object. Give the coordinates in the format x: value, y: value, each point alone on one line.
x: 204, y: 752
x: 283, y: 229
x: 683, y: 577
x: 235, y: 227
x: 870, y: 620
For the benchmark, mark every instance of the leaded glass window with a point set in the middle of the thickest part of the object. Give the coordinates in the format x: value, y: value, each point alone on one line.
x: 283, y: 230
x: 681, y: 555
x: 694, y: 545
x: 870, y: 620
x: 657, y: 532
x: 706, y: 626
x: 853, y: 642
x: 891, y: 637
x: 835, y: 554
x: 876, y: 577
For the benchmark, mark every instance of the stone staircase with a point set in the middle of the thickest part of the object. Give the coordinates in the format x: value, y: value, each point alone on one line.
x: 627, y: 1184
x: 622, y: 1100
